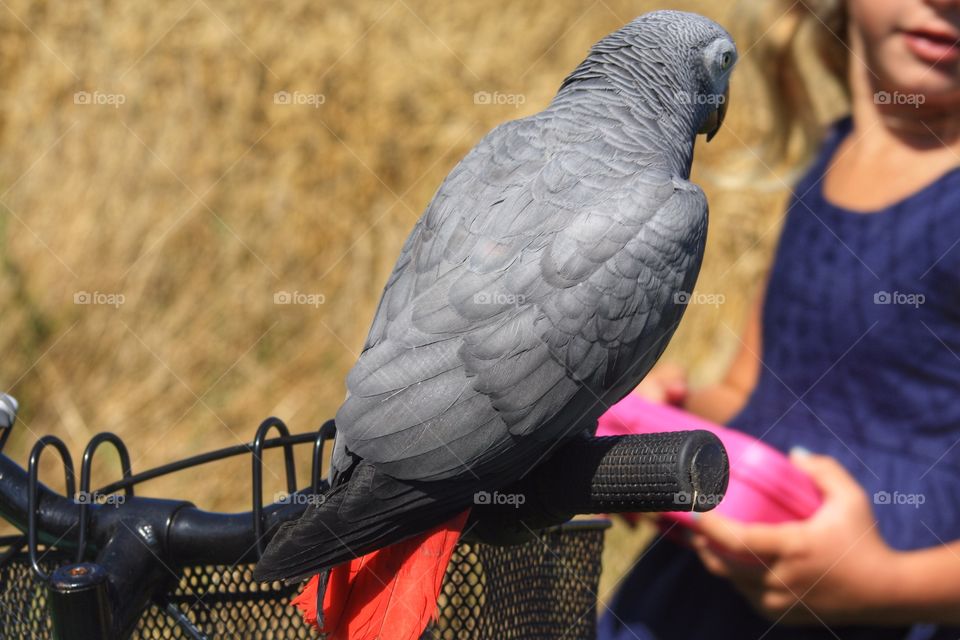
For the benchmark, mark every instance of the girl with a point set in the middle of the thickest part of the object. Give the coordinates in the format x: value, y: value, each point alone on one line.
x: 853, y: 353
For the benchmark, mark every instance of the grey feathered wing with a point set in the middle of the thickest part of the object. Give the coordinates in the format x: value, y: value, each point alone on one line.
x: 526, y: 283
x: 537, y: 289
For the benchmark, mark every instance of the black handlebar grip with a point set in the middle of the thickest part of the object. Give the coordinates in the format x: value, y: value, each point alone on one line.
x: 676, y: 471
x: 679, y: 471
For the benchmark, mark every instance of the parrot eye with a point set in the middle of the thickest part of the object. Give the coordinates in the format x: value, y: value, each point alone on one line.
x: 726, y: 61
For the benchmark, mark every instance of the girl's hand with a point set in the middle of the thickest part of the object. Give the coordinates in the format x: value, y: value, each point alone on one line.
x: 665, y: 384
x: 833, y: 568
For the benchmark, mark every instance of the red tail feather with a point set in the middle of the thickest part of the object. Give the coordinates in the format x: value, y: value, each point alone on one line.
x: 394, y: 588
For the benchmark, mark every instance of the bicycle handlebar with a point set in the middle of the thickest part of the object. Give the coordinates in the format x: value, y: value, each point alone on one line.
x: 648, y: 473
x: 137, y: 536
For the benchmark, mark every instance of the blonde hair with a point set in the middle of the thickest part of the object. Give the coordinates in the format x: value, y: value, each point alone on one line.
x: 781, y: 36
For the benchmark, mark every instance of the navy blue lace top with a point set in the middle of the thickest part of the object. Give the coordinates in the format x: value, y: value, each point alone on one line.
x: 861, y: 352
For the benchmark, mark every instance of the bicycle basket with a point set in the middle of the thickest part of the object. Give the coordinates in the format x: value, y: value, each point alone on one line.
x: 545, y: 588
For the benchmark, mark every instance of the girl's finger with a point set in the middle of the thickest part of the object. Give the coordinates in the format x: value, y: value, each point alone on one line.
x: 713, y: 563
x: 759, y: 540
x: 731, y: 568
x: 828, y: 474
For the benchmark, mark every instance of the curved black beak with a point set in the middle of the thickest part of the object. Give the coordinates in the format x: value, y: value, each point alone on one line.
x: 715, y: 120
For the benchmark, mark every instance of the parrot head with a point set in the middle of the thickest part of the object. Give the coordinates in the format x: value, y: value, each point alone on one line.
x: 673, y: 65
x: 718, y: 59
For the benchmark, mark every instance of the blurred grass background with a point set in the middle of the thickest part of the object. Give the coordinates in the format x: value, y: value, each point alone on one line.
x: 181, y: 184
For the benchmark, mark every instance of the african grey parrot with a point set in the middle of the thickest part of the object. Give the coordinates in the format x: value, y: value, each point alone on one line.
x: 537, y: 289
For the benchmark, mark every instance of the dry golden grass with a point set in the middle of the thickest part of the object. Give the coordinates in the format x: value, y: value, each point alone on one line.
x: 199, y: 198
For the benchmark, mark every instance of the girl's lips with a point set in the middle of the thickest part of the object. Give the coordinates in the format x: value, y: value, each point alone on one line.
x: 933, y: 48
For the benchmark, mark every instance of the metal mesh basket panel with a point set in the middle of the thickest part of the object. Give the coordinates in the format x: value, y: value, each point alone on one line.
x: 23, y: 598
x: 544, y: 589
x: 541, y: 589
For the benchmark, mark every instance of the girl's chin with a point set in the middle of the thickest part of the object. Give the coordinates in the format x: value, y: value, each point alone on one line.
x: 932, y: 84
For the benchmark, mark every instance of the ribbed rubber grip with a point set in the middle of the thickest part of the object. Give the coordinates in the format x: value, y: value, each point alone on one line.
x: 677, y: 471
x: 680, y: 471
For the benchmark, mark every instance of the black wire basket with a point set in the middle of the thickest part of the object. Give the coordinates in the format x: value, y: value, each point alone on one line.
x: 545, y: 588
